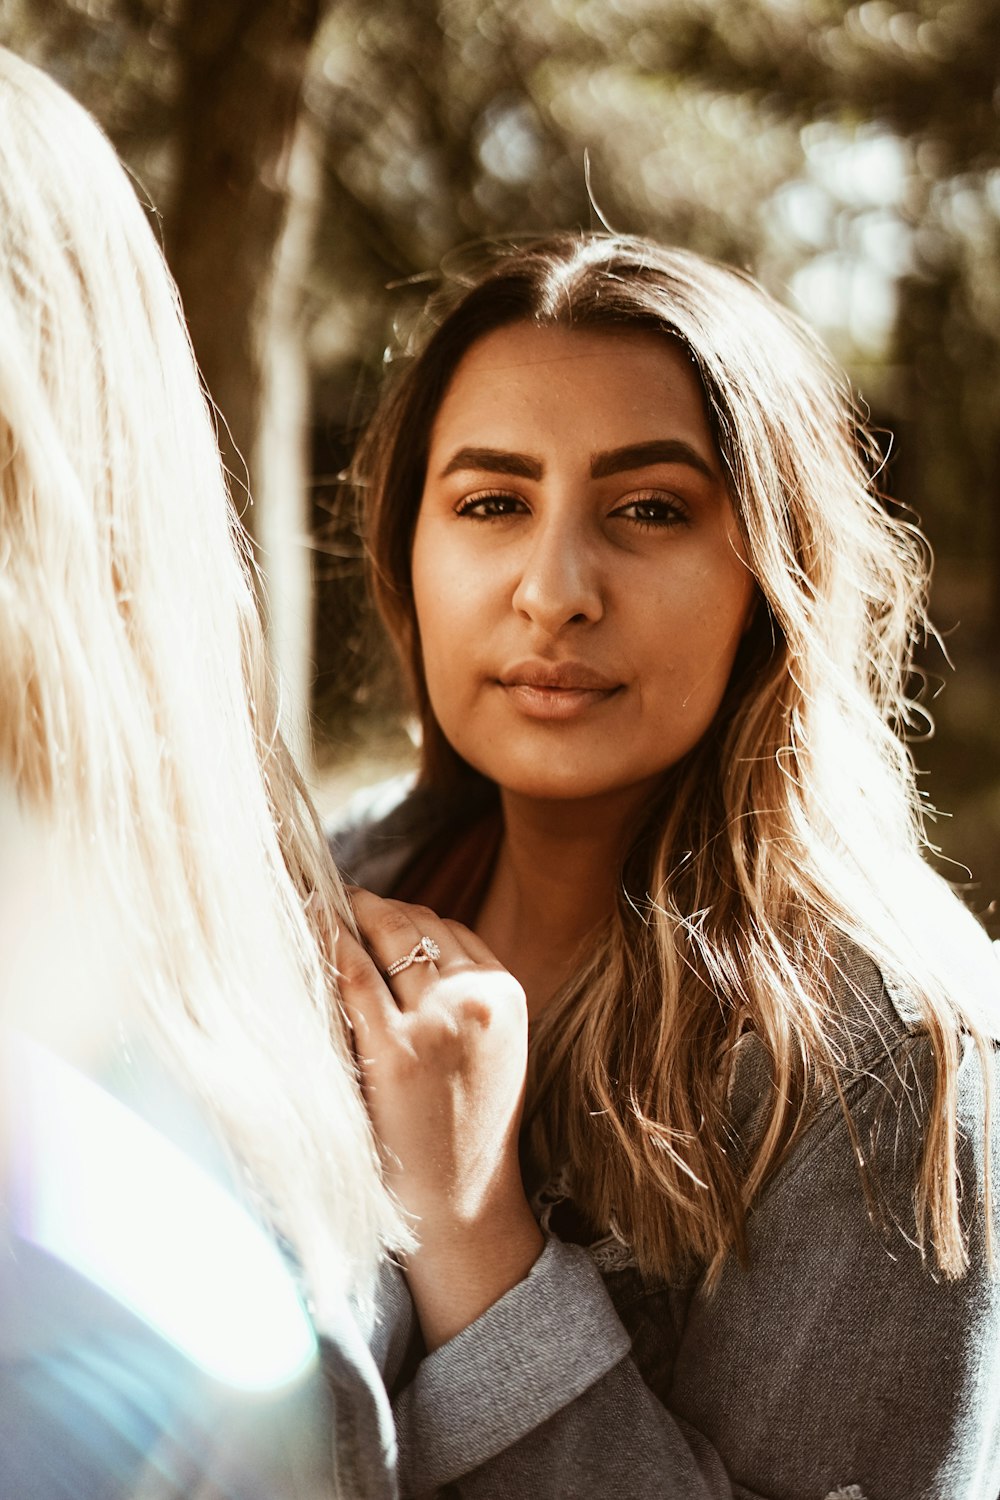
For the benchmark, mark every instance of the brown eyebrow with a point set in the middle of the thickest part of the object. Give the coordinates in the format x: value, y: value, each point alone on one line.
x: 493, y: 461
x: 614, y: 461
x: 644, y: 455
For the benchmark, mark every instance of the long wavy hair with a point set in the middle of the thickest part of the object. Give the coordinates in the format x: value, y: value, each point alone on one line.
x: 789, y: 837
x: 138, y: 722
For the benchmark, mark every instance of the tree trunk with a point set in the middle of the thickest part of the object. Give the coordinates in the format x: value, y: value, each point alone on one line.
x: 280, y: 457
x: 993, y: 495
x: 242, y: 66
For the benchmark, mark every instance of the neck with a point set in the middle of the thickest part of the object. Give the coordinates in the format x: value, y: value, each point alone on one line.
x: 554, y: 882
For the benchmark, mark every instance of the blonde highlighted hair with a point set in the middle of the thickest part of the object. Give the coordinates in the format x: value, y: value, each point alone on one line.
x: 137, y: 717
x: 790, y: 837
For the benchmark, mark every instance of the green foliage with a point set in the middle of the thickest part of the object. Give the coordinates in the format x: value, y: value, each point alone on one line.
x: 119, y: 58
x: 849, y: 153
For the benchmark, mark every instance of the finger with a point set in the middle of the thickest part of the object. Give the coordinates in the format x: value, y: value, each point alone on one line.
x: 385, y: 923
x: 472, y: 944
x: 377, y: 914
x: 407, y: 939
x: 370, y: 1004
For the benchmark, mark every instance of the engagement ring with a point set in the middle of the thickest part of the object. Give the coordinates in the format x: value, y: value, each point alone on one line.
x: 424, y: 952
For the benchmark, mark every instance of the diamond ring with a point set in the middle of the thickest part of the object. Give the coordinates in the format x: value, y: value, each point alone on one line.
x: 424, y: 952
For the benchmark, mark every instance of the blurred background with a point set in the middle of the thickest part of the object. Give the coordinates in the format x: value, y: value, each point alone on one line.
x: 311, y: 165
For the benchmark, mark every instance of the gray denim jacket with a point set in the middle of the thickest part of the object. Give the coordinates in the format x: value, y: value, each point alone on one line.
x: 836, y: 1365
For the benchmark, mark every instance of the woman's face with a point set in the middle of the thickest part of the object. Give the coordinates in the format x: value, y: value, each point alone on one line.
x: 579, y: 578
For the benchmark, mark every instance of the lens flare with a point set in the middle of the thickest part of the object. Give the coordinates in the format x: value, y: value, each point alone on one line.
x: 98, y: 1188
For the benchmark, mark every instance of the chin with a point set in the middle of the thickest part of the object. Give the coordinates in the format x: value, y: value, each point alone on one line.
x: 554, y: 790
x: 542, y: 783
x: 552, y: 784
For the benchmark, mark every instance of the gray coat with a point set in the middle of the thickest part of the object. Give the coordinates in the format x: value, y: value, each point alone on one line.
x: 836, y: 1365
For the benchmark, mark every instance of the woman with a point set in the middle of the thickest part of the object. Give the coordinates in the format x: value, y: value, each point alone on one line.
x: 139, y: 745
x: 657, y: 622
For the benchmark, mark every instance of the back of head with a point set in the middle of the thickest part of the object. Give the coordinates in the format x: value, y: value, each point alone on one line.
x: 137, y: 720
x: 120, y: 566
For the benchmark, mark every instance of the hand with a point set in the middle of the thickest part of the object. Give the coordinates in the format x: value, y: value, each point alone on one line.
x: 442, y: 1048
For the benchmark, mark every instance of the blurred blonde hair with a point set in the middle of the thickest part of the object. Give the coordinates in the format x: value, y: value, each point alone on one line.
x: 789, y: 836
x: 137, y: 717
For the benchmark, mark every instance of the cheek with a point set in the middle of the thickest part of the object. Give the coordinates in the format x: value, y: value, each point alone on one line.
x: 700, y: 626
x: 456, y: 587
x: 444, y: 611
x: 731, y: 586
x: 421, y: 556
x: 447, y: 619
x: 429, y: 599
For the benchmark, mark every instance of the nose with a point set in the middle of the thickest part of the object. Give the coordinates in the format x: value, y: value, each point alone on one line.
x: 560, y: 580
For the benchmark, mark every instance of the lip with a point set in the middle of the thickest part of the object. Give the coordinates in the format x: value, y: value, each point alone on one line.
x: 556, y: 690
x: 558, y: 676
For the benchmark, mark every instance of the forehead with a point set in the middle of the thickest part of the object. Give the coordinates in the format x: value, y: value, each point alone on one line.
x: 603, y: 385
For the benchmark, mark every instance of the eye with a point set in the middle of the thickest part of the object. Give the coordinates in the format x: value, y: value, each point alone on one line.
x: 490, y: 505
x: 653, y: 510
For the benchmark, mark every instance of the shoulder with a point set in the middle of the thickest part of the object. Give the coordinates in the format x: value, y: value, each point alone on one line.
x: 385, y: 826
x: 950, y: 987
x: 374, y: 835
x: 884, y: 1028
x: 907, y: 1084
x: 872, y: 1105
x: 947, y: 943
x: 362, y: 1349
